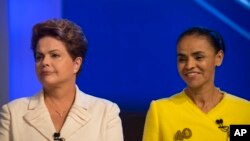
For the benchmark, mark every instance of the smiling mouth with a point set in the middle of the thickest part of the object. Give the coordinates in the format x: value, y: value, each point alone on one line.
x: 45, y: 73
x: 191, y: 74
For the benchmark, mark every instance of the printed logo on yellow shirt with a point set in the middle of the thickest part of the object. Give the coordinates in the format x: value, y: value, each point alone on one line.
x: 186, y: 133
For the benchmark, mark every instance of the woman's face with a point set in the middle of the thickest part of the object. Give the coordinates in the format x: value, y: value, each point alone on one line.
x: 54, y: 66
x: 197, y: 60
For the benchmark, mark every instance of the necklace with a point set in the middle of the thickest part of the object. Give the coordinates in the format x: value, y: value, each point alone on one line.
x: 54, y: 107
x: 60, y: 114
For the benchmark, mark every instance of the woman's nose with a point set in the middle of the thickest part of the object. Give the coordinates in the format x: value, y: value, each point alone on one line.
x: 190, y: 64
x: 45, y: 61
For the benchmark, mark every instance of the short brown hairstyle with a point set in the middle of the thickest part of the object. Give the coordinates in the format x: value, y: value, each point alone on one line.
x: 63, y: 30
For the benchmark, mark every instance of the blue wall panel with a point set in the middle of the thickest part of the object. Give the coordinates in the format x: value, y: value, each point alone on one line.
x: 22, y: 16
x: 132, y: 46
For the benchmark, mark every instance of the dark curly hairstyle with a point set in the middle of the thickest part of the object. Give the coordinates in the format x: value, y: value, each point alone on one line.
x: 214, y: 38
x: 63, y: 30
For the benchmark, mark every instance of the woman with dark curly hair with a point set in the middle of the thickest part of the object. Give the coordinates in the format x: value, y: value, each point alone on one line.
x: 61, y: 111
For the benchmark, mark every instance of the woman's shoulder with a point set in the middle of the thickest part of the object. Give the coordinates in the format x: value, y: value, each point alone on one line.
x: 235, y: 99
x: 18, y: 102
x: 86, y: 100
x: 22, y: 101
x: 173, y: 99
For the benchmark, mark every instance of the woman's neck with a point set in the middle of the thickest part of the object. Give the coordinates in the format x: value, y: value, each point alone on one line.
x: 205, y: 98
x: 59, y: 101
x: 62, y: 96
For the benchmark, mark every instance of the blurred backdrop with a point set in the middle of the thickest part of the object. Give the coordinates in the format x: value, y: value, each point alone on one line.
x: 132, y: 45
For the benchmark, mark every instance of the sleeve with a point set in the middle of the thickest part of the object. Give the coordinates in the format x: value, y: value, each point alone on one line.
x: 114, y: 126
x: 151, y: 127
x: 4, y: 123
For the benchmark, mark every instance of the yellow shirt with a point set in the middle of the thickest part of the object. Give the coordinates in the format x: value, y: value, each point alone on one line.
x: 178, y: 119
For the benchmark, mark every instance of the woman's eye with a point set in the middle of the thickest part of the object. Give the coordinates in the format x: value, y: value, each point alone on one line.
x: 38, y: 58
x: 199, y: 57
x: 55, y: 55
x: 181, y: 59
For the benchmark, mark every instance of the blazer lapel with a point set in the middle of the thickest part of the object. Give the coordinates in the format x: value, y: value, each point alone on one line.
x: 78, y: 115
x: 38, y: 116
x: 76, y: 119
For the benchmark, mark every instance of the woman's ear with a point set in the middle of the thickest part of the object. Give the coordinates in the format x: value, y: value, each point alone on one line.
x: 77, y: 64
x: 219, y: 58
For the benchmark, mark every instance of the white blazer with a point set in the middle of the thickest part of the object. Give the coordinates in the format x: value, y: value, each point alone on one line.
x: 89, y: 119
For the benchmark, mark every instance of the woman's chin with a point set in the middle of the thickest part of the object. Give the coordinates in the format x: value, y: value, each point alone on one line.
x: 194, y: 85
x: 48, y: 83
